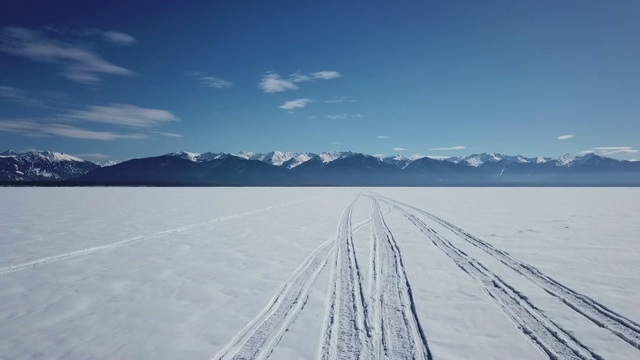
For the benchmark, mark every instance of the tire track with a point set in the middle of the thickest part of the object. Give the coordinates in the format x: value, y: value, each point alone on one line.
x: 621, y: 326
x: 258, y: 339
x: 49, y: 259
x: 397, y: 332
x: 542, y: 331
x: 347, y: 330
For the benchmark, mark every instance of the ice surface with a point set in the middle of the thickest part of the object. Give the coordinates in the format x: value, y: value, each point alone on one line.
x: 178, y: 273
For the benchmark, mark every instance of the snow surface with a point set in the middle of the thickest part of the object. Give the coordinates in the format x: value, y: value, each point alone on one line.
x: 50, y: 156
x: 286, y: 273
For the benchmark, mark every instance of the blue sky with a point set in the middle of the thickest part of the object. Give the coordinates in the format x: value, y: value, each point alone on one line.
x: 439, y: 78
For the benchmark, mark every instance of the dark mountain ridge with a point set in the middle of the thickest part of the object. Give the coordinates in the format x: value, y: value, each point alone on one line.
x: 326, y: 169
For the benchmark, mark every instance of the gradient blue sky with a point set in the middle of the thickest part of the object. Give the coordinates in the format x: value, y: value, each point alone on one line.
x: 143, y: 78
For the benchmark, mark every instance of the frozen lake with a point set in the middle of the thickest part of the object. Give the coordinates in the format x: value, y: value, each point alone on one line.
x: 319, y: 273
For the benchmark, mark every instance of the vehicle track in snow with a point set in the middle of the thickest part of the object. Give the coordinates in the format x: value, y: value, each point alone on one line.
x: 621, y: 326
x: 552, y: 339
x: 347, y: 328
x: 258, y: 339
x: 397, y: 333
x: 86, y: 251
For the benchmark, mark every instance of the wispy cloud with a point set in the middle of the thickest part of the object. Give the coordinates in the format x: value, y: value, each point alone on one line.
x: 24, y: 127
x: 565, y: 137
x: 449, y: 148
x: 379, y: 155
x: 611, y: 150
x: 382, y: 137
x: 340, y: 99
x: 272, y: 82
x: 343, y: 116
x: 168, y: 134
x: 33, y: 128
x: 79, y: 133
x: 122, y: 114
x: 118, y: 38
x: 209, y: 81
x: 18, y: 96
x: 78, y: 62
x: 326, y: 75
x: 295, y: 104
x: 399, y: 149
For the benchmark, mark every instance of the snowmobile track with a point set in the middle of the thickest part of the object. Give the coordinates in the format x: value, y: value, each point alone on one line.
x: 621, y: 326
x: 556, y: 342
x: 347, y: 327
x: 91, y: 250
x: 397, y: 332
x: 258, y: 339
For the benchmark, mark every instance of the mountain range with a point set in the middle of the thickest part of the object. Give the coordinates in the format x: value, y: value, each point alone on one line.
x: 280, y: 168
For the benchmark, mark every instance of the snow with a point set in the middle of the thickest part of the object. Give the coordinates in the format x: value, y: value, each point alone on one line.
x: 50, y: 156
x: 565, y: 160
x: 199, y: 273
x: 106, y: 163
x: 191, y: 156
x: 53, y: 156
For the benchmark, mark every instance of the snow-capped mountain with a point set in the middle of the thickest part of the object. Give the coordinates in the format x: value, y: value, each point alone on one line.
x: 197, y: 157
x: 328, y: 168
x: 286, y: 159
x: 476, y: 160
x: 398, y: 160
x: 106, y: 163
x: 42, y: 166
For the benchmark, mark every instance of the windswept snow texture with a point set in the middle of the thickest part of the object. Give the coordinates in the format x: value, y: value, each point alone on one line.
x: 319, y: 273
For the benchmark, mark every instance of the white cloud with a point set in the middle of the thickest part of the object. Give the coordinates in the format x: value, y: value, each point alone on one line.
x: 168, y: 134
x: 32, y: 128
x: 379, y: 155
x: 449, y: 148
x: 295, y: 104
x: 122, y: 114
x: 210, y: 81
x: 339, y: 99
x: 399, y: 149
x: 382, y: 137
x: 608, y: 148
x: 79, y: 63
x: 25, y: 127
x: 118, y: 38
x: 343, y: 116
x: 215, y: 82
x: 18, y: 96
x: 565, y: 137
x: 437, y: 157
x: 78, y: 133
x: 298, y: 77
x: 326, y: 75
x: 272, y: 83
x: 611, y: 150
x: 633, y: 160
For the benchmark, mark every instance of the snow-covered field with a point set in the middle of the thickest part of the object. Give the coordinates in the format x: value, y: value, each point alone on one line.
x: 319, y: 273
